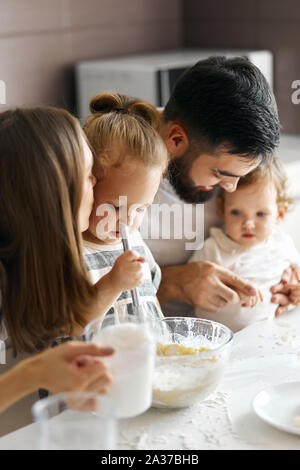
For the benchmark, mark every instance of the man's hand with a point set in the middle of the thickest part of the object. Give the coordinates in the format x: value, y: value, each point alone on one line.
x: 281, y: 293
x: 205, y: 285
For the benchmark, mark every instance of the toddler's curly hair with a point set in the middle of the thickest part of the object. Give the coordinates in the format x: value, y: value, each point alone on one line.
x: 270, y: 171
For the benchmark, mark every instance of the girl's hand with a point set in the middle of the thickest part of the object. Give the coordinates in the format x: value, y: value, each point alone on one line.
x: 127, y: 272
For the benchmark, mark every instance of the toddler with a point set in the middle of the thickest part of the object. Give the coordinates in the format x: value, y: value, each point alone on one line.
x: 251, y: 244
x: 130, y: 158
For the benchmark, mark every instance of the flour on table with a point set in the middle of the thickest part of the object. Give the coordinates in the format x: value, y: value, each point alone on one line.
x: 284, y: 324
x: 204, y: 425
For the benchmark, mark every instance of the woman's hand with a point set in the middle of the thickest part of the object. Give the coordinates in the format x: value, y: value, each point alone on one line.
x: 72, y: 366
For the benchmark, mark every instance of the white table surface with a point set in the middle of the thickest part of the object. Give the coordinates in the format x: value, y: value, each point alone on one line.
x: 263, y: 354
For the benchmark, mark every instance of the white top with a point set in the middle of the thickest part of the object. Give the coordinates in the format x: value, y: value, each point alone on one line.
x: 172, y: 251
x: 262, y: 265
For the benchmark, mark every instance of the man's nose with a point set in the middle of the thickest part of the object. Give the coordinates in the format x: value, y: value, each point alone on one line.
x: 229, y: 187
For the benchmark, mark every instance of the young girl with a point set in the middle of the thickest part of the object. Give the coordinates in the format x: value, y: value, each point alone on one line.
x: 46, y: 198
x: 251, y: 243
x: 130, y: 158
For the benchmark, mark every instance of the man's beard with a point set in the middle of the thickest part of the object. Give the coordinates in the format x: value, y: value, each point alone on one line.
x: 178, y: 175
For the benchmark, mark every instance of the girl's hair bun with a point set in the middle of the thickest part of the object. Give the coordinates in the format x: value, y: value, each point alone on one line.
x: 146, y: 111
x: 106, y: 103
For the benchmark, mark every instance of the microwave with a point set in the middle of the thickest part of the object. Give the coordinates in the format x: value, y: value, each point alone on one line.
x: 150, y: 77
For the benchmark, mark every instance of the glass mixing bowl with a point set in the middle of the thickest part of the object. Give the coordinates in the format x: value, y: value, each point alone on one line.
x: 192, y: 354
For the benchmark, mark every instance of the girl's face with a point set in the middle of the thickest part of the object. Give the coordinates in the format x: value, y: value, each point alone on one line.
x: 122, y: 197
x: 250, y: 213
x: 89, y: 182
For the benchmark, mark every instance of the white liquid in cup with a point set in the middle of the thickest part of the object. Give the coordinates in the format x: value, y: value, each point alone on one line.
x: 131, y: 366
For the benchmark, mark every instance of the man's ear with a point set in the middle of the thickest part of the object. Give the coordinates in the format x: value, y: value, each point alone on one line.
x: 220, y: 207
x: 282, y: 209
x: 176, y: 140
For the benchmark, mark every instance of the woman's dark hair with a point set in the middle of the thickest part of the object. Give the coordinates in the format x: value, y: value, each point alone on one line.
x: 226, y: 102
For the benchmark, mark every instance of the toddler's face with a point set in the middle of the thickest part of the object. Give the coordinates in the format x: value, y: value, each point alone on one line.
x: 250, y: 213
x: 137, y: 185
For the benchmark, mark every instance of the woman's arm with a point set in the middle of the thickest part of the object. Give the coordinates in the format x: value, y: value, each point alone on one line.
x: 17, y: 383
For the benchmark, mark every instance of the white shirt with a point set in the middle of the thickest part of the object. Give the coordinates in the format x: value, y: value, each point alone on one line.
x: 172, y: 251
x: 262, y: 265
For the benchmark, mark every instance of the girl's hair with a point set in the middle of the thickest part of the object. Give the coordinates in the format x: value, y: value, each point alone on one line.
x: 128, y: 125
x: 43, y: 279
x: 272, y: 171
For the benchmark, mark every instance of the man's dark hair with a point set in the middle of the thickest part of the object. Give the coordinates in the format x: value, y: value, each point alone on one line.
x: 226, y: 101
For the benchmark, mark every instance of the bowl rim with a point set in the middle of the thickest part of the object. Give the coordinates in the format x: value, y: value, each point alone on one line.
x: 211, y: 322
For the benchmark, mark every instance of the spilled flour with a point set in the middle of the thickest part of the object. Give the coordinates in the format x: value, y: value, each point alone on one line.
x: 205, y: 425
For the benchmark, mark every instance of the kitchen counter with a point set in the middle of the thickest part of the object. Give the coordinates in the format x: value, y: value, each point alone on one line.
x: 266, y: 353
